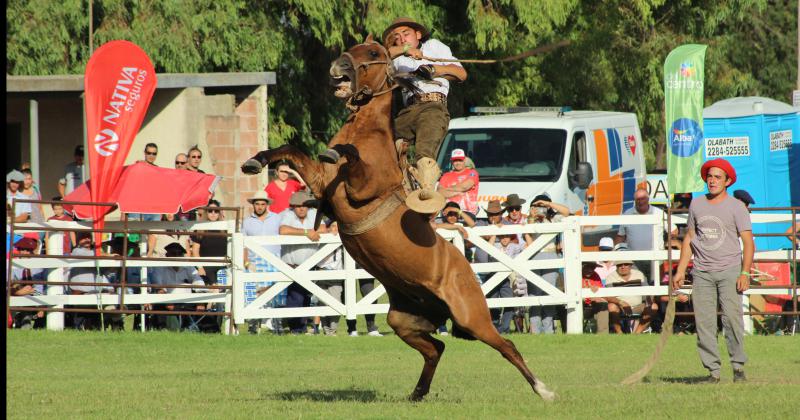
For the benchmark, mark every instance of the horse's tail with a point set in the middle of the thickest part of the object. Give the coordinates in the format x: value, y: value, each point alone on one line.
x: 460, y: 333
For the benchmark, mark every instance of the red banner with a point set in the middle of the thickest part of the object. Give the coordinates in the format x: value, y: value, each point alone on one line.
x: 119, y: 83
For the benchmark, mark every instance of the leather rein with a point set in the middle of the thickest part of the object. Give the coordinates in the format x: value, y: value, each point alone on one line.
x: 365, y: 94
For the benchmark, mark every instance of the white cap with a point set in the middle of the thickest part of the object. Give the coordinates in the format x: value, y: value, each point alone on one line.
x: 458, y: 154
x: 606, y: 243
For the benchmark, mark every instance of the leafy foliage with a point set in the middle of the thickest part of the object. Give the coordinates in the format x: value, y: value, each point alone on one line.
x: 614, y: 62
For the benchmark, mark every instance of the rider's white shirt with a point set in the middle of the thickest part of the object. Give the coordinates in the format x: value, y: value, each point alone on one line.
x: 430, y: 48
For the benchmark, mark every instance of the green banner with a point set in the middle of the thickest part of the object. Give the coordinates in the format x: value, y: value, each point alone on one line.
x: 683, y: 100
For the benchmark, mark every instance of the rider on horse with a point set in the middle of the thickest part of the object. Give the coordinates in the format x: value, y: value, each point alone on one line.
x: 424, y: 117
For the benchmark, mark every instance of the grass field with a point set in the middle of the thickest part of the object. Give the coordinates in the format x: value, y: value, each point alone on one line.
x: 182, y: 375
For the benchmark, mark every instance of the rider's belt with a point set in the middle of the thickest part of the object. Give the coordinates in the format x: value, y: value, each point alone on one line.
x: 428, y: 97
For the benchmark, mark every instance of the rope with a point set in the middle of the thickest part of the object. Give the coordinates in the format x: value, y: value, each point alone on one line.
x: 520, y: 56
x: 666, y: 331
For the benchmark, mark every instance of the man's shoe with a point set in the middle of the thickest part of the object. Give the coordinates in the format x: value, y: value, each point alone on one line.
x: 711, y: 379
x: 738, y: 375
x: 329, y: 156
x: 375, y: 333
x: 353, y: 333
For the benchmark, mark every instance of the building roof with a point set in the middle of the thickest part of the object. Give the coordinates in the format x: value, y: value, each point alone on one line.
x: 747, y: 106
x: 74, y: 82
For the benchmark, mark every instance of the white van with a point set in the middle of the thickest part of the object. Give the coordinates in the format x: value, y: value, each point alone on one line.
x: 591, y: 161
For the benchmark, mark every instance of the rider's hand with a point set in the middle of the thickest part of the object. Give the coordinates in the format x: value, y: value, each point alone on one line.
x: 425, y: 71
x: 414, y: 53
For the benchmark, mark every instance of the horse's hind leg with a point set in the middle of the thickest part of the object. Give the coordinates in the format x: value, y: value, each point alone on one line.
x: 415, y: 331
x: 471, y: 314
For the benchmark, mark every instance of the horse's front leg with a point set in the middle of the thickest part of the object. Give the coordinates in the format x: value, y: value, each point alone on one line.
x: 311, y: 171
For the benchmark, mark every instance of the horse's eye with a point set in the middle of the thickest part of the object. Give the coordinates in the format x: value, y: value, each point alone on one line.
x: 373, y: 53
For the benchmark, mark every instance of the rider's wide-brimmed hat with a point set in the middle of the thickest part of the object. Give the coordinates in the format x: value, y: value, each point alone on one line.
x: 406, y: 21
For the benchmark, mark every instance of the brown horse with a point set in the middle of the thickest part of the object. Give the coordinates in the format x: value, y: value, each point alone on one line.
x: 426, y: 278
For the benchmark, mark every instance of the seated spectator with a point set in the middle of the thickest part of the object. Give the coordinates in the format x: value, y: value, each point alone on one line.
x: 604, y: 268
x: 60, y: 214
x: 626, y: 275
x: 494, y: 215
x: 299, y: 221
x: 594, y: 307
x: 26, y: 319
x: 176, y: 275
x: 85, y: 248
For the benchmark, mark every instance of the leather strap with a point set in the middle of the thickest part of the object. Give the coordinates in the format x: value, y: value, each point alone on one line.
x: 384, y: 210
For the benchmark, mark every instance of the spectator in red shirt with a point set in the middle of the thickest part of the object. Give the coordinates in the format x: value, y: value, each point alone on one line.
x: 60, y: 214
x: 282, y: 187
x: 461, y: 184
x: 597, y: 307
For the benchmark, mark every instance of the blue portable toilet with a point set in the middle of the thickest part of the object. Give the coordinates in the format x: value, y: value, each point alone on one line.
x: 760, y: 137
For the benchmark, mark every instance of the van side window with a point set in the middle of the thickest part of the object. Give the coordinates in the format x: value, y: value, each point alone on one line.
x: 578, y: 152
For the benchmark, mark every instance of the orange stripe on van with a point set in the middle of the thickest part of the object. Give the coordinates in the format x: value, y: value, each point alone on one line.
x: 608, y: 190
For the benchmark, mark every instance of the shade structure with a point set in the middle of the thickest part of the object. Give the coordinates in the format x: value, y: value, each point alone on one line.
x: 149, y: 189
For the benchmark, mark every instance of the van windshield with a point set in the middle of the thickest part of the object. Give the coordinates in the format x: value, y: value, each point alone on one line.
x: 509, y: 154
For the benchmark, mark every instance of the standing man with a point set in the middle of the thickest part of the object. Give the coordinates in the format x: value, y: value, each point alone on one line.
x: 14, y: 182
x: 181, y: 160
x: 299, y: 221
x: 73, y: 174
x: 721, y: 270
x: 150, y: 153
x: 640, y: 237
x: 195, y: 157
x: 261, y: 222
x: 461, y: 184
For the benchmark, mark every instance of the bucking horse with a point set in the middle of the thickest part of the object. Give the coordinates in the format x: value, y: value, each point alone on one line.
x: 426, y: 278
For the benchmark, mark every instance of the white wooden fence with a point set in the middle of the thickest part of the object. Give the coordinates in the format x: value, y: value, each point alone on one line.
x: 235, y: 299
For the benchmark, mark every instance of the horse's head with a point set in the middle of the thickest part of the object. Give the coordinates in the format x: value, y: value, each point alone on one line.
x: 365, y: 68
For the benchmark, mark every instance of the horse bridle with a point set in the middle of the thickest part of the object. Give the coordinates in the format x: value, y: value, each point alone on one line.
x: 365, y: 93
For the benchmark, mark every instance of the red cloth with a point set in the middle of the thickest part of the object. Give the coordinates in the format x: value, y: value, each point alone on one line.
x: 594, y: 280
x: 280, y: 198
x: 719, y: 163
x: 469, y: 199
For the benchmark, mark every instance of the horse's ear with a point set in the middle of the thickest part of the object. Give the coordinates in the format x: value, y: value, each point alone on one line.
x: 369, y: 39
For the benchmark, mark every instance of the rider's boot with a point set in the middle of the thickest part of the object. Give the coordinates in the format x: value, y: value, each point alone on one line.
x: 329, y: 156
x: 426, y: 200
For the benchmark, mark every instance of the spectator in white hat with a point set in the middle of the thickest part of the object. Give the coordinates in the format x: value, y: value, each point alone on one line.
x: 604, y: 268
x: 461, y: 184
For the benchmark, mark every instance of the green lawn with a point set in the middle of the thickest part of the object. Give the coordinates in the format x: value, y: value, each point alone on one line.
x: 182, y: 375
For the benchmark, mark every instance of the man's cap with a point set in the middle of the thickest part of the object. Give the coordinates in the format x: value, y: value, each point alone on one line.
x: 260, y: 195
x: 458, y: 154
x: 79, y: 236
x: 79, y: 150
x: 406, y: 21
x: 26, y: 243
x: 493, y: 207
x: 719, y: 163
x: 606, y: 244
x: 513, y: 200
x: 744, y: 197
x: 623, y: 262
x: 301, y: 198
x: 174, y: 247
x: 15, y: 176
x: 593, y: 264
x: 622, y: 246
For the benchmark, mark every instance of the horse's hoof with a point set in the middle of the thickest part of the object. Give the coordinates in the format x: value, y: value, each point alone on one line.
x: 252, y: 167
x: 545, y: 393
x: 416, y: 397
x: 329, y: 156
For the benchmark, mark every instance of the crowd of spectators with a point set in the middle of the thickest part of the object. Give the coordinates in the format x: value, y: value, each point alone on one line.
x: 285, y: 207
